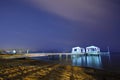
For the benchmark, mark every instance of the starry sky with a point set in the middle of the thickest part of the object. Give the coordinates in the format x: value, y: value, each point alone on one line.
x: 59, y: 24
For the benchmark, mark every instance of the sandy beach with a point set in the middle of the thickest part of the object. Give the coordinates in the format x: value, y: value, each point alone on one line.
x: 28, y: 69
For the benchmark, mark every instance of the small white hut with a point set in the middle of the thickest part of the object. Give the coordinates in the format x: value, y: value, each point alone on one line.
x: 92, y: 50
x: 78, y: 50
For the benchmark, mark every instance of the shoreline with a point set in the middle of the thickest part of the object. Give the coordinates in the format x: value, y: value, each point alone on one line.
x: 18, y: 56
x: 29, y: 69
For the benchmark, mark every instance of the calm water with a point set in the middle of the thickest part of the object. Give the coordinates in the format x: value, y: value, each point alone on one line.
x: 107, y: 62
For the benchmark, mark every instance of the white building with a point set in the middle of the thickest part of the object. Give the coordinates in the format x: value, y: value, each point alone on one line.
x: 78, y: 50
x: 92, y: 50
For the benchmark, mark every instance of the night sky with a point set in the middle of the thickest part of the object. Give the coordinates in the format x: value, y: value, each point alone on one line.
x: 59, y: 24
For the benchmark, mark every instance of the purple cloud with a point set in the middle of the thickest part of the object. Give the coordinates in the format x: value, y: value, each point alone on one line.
x: 87, y: 11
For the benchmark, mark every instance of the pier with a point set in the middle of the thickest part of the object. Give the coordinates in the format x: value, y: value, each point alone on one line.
x: 51, y: 54
x: 60, y: 55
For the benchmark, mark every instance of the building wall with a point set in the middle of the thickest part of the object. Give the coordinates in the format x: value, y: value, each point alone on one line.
x: 78, y: 50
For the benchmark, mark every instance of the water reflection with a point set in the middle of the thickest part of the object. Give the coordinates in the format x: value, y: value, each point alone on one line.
x: 87, y: 61
x: 99, y: 62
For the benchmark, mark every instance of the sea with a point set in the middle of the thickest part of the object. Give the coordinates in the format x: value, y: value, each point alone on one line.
x: 109, y: 62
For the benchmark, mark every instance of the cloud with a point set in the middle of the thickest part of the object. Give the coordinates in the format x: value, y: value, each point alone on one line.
x: 79, y: 10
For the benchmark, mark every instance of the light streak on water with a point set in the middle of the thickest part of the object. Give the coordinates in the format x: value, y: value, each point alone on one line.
x: 87, y: 61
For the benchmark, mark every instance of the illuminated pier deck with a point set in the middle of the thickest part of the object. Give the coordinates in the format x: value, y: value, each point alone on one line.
x: 50, y: 54
x: 59, y: 54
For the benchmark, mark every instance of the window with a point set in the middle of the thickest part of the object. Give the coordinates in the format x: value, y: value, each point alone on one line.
x: 75, y: 49
x: 93, y: 49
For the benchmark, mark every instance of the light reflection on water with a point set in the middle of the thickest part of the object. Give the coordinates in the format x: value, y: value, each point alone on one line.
x: 87, y: 61
x: 107, y: 62
x: 99, y: 62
